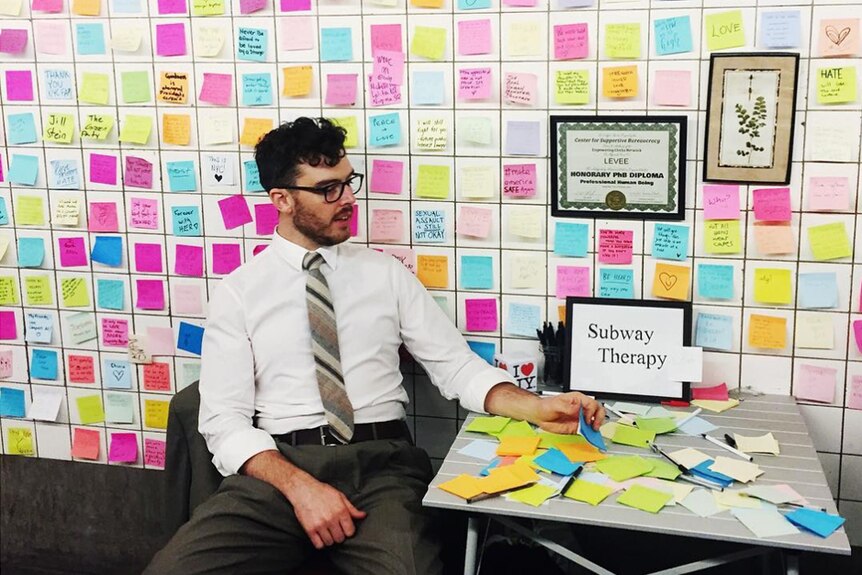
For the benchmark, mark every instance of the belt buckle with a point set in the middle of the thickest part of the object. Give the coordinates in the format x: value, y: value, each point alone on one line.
x: 326, y: 437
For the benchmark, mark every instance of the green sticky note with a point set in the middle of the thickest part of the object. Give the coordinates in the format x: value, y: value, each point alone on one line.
x: 136, y: 129
x: 97, y: 127
x: 516, y: 428
x: 724, y: 30
x: 656, y: 425
x: 136, y: 87
x: 627, y: 435
x: 119, y: 407
x: 8, y: 291
x: 664, y: 470
x: 829, y: 241
x: 588, y: 492
x: 623, y: 41
x: 836, y: 85
x: 549, y: 440
x: 534, y: 495
x: 644, y: 498
x: 433, y: 182
x: 429, y: 42
x: 30, y: 210
x: 207, y: 7
x: 59, y: 128
x: 493, y: 424
x: 74, y: 292
x: 572, y: 87
x: 37, y: 290
x: 94, y: 88
x: 622, y: 467
x: 351, y: 140
x: 90, y: 409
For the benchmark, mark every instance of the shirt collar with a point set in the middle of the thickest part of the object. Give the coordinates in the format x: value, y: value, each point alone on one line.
x: 294, y: 254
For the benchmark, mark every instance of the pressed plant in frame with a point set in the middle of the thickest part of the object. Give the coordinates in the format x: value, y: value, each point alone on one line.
x: 750, y: 124
x: 748, y: 118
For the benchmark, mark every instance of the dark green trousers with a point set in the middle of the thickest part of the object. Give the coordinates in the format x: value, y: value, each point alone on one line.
x: 248, y: 526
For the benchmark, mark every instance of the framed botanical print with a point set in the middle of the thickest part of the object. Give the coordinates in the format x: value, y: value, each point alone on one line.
x: 750, y: 117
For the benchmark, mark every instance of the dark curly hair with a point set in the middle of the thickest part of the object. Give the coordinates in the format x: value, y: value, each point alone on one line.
x: 304, y: 141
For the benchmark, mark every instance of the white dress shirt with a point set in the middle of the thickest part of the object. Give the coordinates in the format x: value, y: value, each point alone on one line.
x: 258, y: 376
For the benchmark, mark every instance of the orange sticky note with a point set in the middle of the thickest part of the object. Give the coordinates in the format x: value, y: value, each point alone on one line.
x: 297, y: 81
x: 174, y: 87
x: 253, y: 129
x: 620, y: 82
x: 774, y: 238
x: 427, y: 3
x: 579, y: 452
x: 85, y: 443
x: 509, y: 477
x: 86, y: 7
x: 464, y: 486
x: 176, y: 129
x: 838, y: 37
x: 767, y: 332
x: 671, y: 282
x: 514, y: 445
x: 433, y: 271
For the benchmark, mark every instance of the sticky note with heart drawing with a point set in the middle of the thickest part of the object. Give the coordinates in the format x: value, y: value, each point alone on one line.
x: 671, y: 282
x: 839, y: 37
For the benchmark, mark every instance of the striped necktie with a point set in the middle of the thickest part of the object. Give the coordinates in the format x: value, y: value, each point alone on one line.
x: 324, y: 345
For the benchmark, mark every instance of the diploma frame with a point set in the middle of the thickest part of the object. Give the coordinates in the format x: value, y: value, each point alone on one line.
x: 617, y: 198
x: 575, y: 376
x: 750, y: 117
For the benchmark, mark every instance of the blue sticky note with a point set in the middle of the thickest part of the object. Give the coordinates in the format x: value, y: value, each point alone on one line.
x: 823, y: 524
x: 473, y: 4
x: 487, y: 469
x: 107, y: 250
x: 24, y: 169
x: 58, y: 85
x: 256, y: 89
x: 190, y: 337
x: 571, y: 239
x: 672, y: 35
x: 336, y: 44
x: 702, y: 470
x: 116, y: 374
x: 477, y: 272
x: 594, y: 437
x: 483, y: 349
x: 715, y: 281
x: 818, y: 290
x: 126, y: 6
x: 20, y: 129
x: 252, y: 177
x: 780, y: 29
x: 186, y: 221
x: 251, y: 44
x: 31, y: 252
x: 429, y: 226
x: 524, y: 319
x: 522, y: 138
x: 110, y: 294
x: 11, y: 402
x: 384, y: 130
x: 427, y: 88
x: 43, y: 364
x: 181, y: 176
x: 39, y: 327
x: 556, y: 461
x: 90, y: 39
x: 714, y: 331
x: 64, y: 175
x: 616, y: 283
x: 670, y: 242
x: 4, y: 213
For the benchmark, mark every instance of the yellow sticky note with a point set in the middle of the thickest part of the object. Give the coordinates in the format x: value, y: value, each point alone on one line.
x: 433, y: 182
x: 74, y: 292
x: 30, y: 210
x: 715, y: 405
x: 8, y: 291
x: 66, y: 212
x: 580, y: 452
x: 836, y: 85
x: 176, y: 129
x: 433, y: 271
x: 90, y: 409
x: 515, y: 445
x: 829, y: 241
x: 427, y: 3
x: 432, y: 134
x: 534, y: 495
x: 10, y: 7
x: 528, y: 271
x: 136, y: 129
x: 644, y: 498
x: 477, y: 181
x: 19, y: 441
x: 208, y: 41
x: 86, y: 7
x: 588, y: 492
x: 572, y: 87
x: 126, y: 38
x: 464, y: 486
x: 724, y: 30
x: 772, y: 285
x: 207, y: 7
x: 156, y: 413
x: 37, y: 290
x: 524, y: 38
x: 297, y: 81
x: 350, y: 124
x: 94, y: 88
x: 493, y: 424
x: 767, y: 332
x: 722, y: 237
x: 429, y: 42
x: 59, y: 128
x: 253, y: 129
x: 516, y: 428
x: 97, y: 127
x: 526, y: 222
x: 620, y: 81
x: 671, y: 281
x: 174, y: 87
x: 814, y: 330
x: 623, y: 41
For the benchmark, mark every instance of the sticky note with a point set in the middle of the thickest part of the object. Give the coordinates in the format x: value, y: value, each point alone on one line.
x: 724, y: 30
x: 772, y: 204
x: 670, y: 242
x: 75, y: 292
x: 234, y: 211
x: 58, y: 84
x: 474, y: 83
x: 721, y: 202
x: 103, y: 169
x: 135, y: 129
x: 86, y: 7
x: 428, y: 42
x: 11, y: 402
x: 386, y: 176
x: 838, y: 37
x: 148, y: 257
x: 714, y: 331
x: 571, y: 41
x: 31, y: 252
x: 182, y: 176
x: 39, y: 327
x: 522, y: 138
x: 828, y: 193
x: 815, y: 383
x: 110, y: 294
x: 623, y: 41
x: 780, y: 29
x: 836, y: 85
x: 672, y: 88
x: 176, y: 129
x: 170, y: 39
x: 256, y: 89
x: 90, y: 39
x: 64, y: 175
x: 138, y: 172
x: 722, y: 237
x: 616, y: 283
x: 81, y: 368
x: 85, y: 444
x: 20, y: 129
x: 634, y: 436
x: 572, y: 86
x: 13, y: 41
x: 829, y: 241
x: 817, y: 290
x: 481, y: 314
x: 43, y: 364
x: 429, y: 226
x: 622, y: 467
x: 772, y: 285
x: 19, y: 86
x: 297, y: 81
x: 427, y: 88
x: 767, y: 332
x: 216, y: 89
x: 19, y: 441
x: 350, y: 124
x: 186, y: 221
x: 384, y: 129
x: 573, y: 281
x: 24, y: 169
x: 672, y: 35
x: 253, y: 129
x: 671, y: 281
x: 615, y: 246
x: 107, y: 250
x: 151, y: 294
x: 386, y: 225
x: 644, y: 498
x: 715, y: 281
x: 433, y: 182
x: 433, y: 271
x: 774, y: 238
x: 50, y: 37
x: 251, y: 182
x: 620, y: 81
x: 72, y: 252
x: 115, y: 332
x: 97, y: 127
x: 38, y: 290
x: 571, y: 239
x: 336, y: 44
x: 251, y: 44
x: 474, y: 37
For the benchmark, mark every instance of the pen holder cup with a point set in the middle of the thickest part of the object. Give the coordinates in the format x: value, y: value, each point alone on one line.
x: 552, y: 374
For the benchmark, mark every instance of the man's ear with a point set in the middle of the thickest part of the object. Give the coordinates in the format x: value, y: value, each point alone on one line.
x: 282, y: 200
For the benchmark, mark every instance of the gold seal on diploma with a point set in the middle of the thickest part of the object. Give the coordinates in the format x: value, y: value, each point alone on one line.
x: 615, y: 200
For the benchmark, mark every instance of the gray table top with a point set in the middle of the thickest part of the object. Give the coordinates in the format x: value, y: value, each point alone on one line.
x: 797, y: 466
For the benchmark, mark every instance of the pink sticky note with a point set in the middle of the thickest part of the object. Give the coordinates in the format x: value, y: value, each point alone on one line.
x: 154, y: 453
x: 265, y: 219
x: 144, y: 214
x: 234, y: 211
x: 571, y: 41
x: 386, y: 37
x: 148, y: 258
x: 138, y: 173
x: 250, y: 6
x: 50, y: 6
x: 519, y: 180
x: 171, y: 39
x: 187, y: 299
x: 50, y: 37
x: 103, y: 169
x: 520, y: 88
x: 815, y: 383
x: 73, y: 252
x: 85, y: 444
x: 258, y: 248
x: 354, y: 221
x: 296, y: 33
x: 103, y: 217
x: 172, y: 7
x: 216, y: 89
x: 8, y: 325
x: 124, y: 448
x: 481, y: 314
x: 388, y: 67
x: 151, y: 294
x: 574, y: 281
x: 386, y: 176
x: 13, y: 41
x: 520, y: 3
x: 340, y: 89
x: 857, y: 332
x: 295, y: 5
x: 828, y: 193
x: 615, y: 246
x: 672, y: 88
x: 473, y: 221
x: 716, y: 392
x: 189, y: 261
x: 854, y: 394
x: 226, y: 258
x: 115, y: 332
x: 772, y: 204
x: 474, y: 37
x: 19, y: 86
x: 5, y: 362
x: 474, y: 83
x: 721, y: 202
x: 382, y: 93
x: 386, y: 226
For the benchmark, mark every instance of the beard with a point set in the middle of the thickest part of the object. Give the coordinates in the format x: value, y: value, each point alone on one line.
x: 320, y: 230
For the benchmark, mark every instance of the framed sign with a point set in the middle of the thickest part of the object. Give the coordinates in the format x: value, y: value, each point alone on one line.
x: 625, y: 349
x: 627, y: 167
x: 750, y: 115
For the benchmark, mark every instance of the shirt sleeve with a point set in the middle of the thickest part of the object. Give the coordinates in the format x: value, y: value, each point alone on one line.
x: 439, y: 347
x: 227, y: 386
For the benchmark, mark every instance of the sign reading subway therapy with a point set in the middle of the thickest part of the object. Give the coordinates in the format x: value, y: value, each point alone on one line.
x: 625, y: 348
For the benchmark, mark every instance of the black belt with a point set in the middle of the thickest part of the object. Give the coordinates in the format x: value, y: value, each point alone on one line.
x: 395, y: 429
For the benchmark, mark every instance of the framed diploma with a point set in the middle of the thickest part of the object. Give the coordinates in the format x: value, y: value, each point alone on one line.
x: 625, y: 167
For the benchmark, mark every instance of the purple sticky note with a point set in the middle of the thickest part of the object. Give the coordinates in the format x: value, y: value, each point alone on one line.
x: 295, y: 5
x: 171, y: 39
x: 234, y: 211
x: 189, y: 261
x: 103, y: 169
x: 772, y: 204
x: 481, y: 314
x: 13, y: 41
x: 8, y: 325
x: 721, y: 202
x: 216, y: 89
x: 124, y: 448
x: 172, y: 6
x: 139, y: 173
x: 19, y: 86
x: 148, y: 258
x: 226, y: 258
x: 73, y: 252
x: 265, y: 219
x: 151, y: 294
x: 250, y: 6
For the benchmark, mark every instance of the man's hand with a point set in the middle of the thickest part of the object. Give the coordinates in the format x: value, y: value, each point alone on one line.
x: 561, y: 413
x: 324, y: 512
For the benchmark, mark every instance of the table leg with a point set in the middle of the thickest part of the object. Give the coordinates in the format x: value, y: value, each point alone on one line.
x: 472, y: 546
x: 791, y: 561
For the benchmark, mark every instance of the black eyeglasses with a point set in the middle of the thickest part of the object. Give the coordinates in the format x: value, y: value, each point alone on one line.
x: 332, y: 192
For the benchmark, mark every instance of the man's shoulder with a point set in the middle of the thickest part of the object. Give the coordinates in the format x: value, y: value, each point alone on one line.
x: 251, y: 272
x: 364, y: 255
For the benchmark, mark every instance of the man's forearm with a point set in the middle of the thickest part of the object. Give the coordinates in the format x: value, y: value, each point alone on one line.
x: 512, y: 401
x: 274, y: 468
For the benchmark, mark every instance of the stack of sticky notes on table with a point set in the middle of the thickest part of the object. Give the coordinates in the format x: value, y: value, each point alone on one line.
x: 713, y: 398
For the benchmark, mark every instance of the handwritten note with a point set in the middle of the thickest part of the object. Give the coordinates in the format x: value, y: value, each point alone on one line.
x: 615, y: 246
x: 767, y: 332
x: 724, y: 30
x: 772, y: 285
x: 672, y: 35
x: 671, y: 281
x: 620, y: 81
x: 571, y: 41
